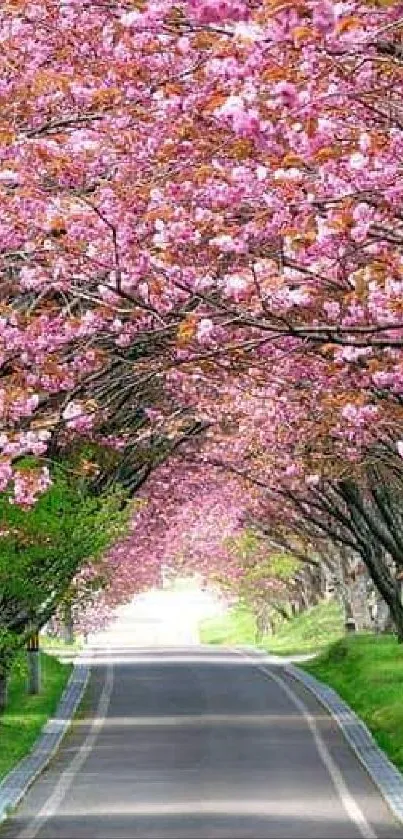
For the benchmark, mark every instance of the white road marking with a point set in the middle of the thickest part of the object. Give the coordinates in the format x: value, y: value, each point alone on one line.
x: 199, y: 720
x: 67, y: 777
x: 349, y: 803
x: 294, y: 810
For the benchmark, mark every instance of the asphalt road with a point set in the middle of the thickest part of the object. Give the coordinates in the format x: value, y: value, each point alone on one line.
x: 200, y: 744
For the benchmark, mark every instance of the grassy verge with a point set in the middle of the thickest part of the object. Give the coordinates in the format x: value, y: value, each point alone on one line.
x: 25, y: 716
x: 49, y: 642
x: 306, y: 633
x: 237, y: 626
x: 367, y: 671
x: 309, y: 632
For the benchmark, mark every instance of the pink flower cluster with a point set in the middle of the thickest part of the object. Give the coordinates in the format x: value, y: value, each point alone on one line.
x: 218, y: 11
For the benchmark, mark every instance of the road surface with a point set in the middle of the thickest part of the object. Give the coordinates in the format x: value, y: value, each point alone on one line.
x: 200, y: 743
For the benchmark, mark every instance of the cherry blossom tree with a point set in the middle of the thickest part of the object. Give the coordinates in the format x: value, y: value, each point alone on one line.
x: 201, y: 230
x: 181, y: 192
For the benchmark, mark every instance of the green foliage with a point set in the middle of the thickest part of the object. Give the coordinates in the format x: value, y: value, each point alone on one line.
x: 267, y: 574
x: 305, y: 633
x: 52, y: 643
x: 367, y: 671
x: 257, y: 555
x: 64, y: 515
x: 8, y: 646
x: 245, y: 545
x: 25, y: 716
x: 42, y: 548
x: 283, y: 565
x: 89, y: 458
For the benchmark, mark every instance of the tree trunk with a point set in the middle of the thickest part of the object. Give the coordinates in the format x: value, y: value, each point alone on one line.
x: 359, y: 601
x: 68, y: 628
x: 341, y: 589
x: 396, y: 610
x: 383, y: 619
x: 34, y: 672
x: 382, y: 578
x: 352, y: 584
x: 349, y: 620
x: 5, y: 664
x: 399, y: 626
x: 388, y: 588
x: 262, y: 624
x: 3, y: 691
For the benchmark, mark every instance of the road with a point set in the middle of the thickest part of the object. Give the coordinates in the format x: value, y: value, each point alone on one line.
x: 200, y: 743
x: 160, y: 618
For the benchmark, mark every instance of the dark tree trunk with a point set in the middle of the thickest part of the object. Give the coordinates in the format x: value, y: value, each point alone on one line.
x: 4, y: 673
x: 396, y: 610
x: 68, y: 625
x: 3, y: 691
x: 388, y: 588
x: 349, y: 620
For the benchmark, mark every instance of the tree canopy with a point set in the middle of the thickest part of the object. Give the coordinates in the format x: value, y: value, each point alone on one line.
x: 201, y: 260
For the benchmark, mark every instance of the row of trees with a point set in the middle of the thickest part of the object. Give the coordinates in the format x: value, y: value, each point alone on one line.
x: 201, y: 264
x: 213, y: 525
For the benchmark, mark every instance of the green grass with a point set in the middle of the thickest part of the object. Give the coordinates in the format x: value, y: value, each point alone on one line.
x: 25, y: 715
x: 309, y: 632
x: 237, y: 626
x: 306, y: 633
x: 367, y: 671
x: 49, y: 642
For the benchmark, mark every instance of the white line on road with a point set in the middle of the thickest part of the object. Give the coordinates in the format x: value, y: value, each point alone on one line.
x: 349, y: 803
x: 67, y: 777
x: 62, y: 787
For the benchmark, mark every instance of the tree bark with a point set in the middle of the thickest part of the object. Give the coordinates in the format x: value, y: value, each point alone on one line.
x: 34, y: 672
x: 262, y: 624
x: 396, y: 610
x: 3, y: 691
x: 359, y: 602
x: 68, y: 627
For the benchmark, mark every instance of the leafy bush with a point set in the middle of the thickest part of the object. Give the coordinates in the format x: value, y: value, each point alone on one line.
x: 43, y: 548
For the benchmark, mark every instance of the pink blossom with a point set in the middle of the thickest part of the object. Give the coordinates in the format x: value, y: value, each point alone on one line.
x: 324, y: 16
x: 205, y: 329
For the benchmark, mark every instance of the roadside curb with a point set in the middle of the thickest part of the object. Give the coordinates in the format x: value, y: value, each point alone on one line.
x: 17, y: 782
x: 381, y: 770
x: 383, y: 773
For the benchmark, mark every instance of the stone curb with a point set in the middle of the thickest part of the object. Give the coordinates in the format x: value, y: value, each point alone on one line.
x: 383, y: 773
x: 17, y: 782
